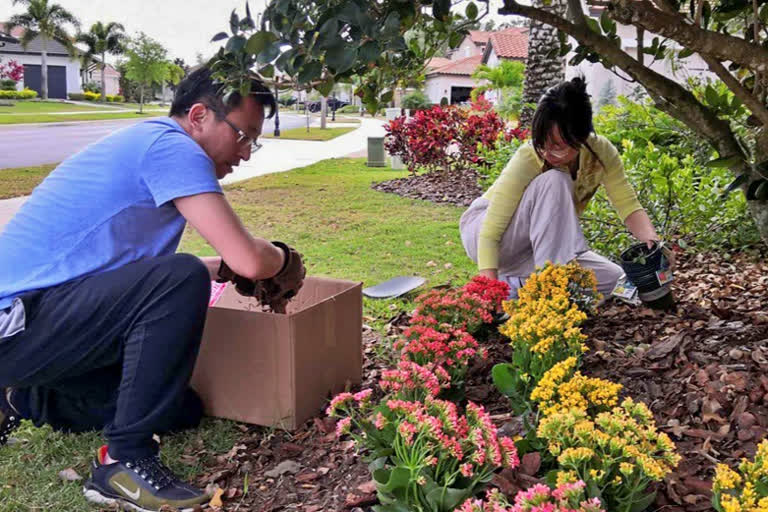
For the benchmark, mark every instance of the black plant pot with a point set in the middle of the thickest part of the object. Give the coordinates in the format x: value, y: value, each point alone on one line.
x: 640, y: 264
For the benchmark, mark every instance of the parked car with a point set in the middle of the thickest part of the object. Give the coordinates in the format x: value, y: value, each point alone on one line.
x: 333, y: 104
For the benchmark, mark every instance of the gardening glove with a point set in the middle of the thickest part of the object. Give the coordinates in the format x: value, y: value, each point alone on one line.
x: 284, y: 285
x: 243, y: 285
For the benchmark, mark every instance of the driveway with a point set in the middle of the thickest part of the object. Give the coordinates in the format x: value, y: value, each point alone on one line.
x: 50, y: 143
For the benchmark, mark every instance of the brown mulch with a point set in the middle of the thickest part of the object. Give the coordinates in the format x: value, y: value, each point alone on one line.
x: 454, y: 187
x: 703, y: 371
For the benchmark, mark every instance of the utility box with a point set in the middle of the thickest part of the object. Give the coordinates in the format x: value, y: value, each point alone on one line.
x: 376, y: 154
x: 280, y: 369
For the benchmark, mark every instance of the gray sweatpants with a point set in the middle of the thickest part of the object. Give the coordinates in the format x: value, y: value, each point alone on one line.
x: 545, y: 227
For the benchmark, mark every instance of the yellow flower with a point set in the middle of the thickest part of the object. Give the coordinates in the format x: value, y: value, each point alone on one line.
x: 575, y: 456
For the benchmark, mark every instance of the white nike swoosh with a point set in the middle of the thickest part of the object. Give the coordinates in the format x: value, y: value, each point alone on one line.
x: 133, y: 495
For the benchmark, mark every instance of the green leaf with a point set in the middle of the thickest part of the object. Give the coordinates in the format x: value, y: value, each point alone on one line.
x: 643, y: 503
x: 267, y: 71
x: 471, y: 11
x: 449, y: 498
x: 369, y: 52
x: 392, y: 480
x: 234, y: 23
x: 259, y: 41
x: 310, y: 72
x: 269, y: 54
x: 607, y: 24
x: 593, y: 25
x: 219, y: 37
x: 684, y: 53
x: 326, y: 87
x: 341, y: 58
x: 710, y: 94
x: 725, y: 162
x: 235, y: 44
x: 504, y: 378
x: 455, y: 39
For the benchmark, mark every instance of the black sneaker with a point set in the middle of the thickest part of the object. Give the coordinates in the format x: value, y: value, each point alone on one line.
x: 143, y: 485
x: 9, y: 418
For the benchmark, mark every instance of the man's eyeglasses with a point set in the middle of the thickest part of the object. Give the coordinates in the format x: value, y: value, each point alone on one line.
x: 242, y: 138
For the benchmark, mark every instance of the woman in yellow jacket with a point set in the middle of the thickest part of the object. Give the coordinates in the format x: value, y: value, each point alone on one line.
x: 531, y: 213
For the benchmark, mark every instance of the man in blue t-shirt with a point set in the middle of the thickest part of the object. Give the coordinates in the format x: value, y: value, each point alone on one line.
x: 100, y: 318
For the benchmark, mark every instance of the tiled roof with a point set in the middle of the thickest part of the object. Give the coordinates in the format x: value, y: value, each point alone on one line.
x: 437, y: 62
x: 479, y: 36
x: 459, y: 67
x: 34, y: 47
x: 511, y: 44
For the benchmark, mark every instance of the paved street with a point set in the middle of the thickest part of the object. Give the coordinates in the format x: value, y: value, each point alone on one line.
x: 49, y: 143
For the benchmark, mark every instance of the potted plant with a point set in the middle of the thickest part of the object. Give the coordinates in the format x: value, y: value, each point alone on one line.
x: 648, y: 269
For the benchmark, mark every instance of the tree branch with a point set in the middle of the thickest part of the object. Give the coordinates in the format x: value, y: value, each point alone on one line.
x: 668, y: 94
x: 643, y: 13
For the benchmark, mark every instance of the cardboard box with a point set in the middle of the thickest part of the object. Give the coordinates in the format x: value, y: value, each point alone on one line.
x: 280, y: 370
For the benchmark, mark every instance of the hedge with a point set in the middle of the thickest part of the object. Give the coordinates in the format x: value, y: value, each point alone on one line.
x: 26, y: 94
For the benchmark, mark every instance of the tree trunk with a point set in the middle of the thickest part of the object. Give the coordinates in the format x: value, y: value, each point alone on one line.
x: 323, y: 113
x: 44, y: 68
x: 103, y: 78
x: 541, y: 72
x: 759, y: 209
x: 141, y: 99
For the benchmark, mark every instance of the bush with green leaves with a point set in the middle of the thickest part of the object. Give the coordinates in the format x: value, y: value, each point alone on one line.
x: 92, y: 87
x: 666, y: 164
x: 494, y: 158
x: 8, y: 85
x: 416, y: 100
x: 349, y: 109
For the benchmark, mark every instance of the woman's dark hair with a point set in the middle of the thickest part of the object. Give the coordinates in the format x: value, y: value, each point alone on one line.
x: 566, y: 105
x: 199, y: 87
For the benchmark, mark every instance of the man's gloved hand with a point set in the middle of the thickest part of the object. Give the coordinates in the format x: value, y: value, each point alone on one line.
x: 285, y: 284
x: 243, y: 285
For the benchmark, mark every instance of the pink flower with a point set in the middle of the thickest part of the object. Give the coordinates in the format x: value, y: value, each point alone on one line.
x: 466, y: 469
x: 338, y: 401
x: 380, y: 421
x: 343, y: 426
x: 363, y: 396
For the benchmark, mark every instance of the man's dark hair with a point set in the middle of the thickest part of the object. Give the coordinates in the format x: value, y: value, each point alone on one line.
x: 199, y: 87
x: 566, y: 105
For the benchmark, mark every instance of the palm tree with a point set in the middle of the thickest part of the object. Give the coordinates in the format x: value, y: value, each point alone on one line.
x: 507, y: 74
x: 102, y: 40
x: 541, y: 71
x: 46, y: 20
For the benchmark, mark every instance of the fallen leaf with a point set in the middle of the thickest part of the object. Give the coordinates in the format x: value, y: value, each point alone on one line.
x: 216, y: 499
x: 70, y: 475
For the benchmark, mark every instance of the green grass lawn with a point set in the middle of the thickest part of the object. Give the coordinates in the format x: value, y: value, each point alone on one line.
x: 54, y: 118
x: 21, y: 181
x: 315, y: 133
x: 46, y: 107
x: 344, y: 230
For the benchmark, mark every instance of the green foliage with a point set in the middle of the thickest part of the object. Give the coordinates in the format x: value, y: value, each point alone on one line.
x: 320, y: 43
x: 92, y: 87
x: 665, y: 163
x: 507, y: 75
x: 416, y: 100
x: 510, y: 104
x: 493, y: 159
x: 26, y: 94
x: 147, y: 64
x: 7, y: 85
x: 115, y: 98
x: 349, y: 109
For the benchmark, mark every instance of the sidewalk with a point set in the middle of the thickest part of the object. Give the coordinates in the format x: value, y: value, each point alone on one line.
x: 275, y: 156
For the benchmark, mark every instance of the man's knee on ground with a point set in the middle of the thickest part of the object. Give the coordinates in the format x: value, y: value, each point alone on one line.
x: 191, y: 272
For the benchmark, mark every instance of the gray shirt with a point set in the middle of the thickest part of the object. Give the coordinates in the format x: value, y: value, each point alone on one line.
x: 12, y: 319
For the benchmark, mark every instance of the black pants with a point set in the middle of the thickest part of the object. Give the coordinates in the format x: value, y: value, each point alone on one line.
x: 112, y: 351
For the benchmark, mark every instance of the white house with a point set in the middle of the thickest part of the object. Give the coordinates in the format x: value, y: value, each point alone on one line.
x: 597, y: 75
x: 63, y: 69
x: 112, y: 77
x: 452, y: 78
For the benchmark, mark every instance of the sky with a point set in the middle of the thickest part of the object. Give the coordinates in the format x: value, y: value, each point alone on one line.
x: 184, y: 27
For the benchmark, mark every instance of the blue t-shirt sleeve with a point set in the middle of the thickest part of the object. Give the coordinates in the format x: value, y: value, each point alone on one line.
x: 175, y: 166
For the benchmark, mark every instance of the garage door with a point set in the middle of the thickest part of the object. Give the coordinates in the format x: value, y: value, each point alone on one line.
x: 57, y: 80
